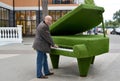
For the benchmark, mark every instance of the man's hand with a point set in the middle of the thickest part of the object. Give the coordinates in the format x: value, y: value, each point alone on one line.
x: 55, y: 46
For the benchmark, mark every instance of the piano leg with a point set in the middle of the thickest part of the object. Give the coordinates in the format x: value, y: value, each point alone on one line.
x: 55, y: 60
x: 93, y: 58
x: 83, y: 65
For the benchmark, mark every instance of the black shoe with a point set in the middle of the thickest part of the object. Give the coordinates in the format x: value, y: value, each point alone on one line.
x: 51, y: 73
x: 43, y: 77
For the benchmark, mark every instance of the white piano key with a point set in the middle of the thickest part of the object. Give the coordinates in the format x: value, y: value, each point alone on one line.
x: 63, y: 49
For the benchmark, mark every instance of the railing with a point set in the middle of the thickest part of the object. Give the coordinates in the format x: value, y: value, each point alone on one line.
x: 11, y: 34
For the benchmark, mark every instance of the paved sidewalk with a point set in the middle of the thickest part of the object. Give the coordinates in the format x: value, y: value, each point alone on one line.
x: 18, y: 48
x: 17, y: 63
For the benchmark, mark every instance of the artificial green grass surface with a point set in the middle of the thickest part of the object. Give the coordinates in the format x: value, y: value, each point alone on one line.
x: 82, y: 45
x: 81, y: 19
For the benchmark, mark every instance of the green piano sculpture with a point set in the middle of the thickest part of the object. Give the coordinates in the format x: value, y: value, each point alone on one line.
x: 66, y: 33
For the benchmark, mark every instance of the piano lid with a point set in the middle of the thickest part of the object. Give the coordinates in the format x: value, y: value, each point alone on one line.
x: 81, y: 19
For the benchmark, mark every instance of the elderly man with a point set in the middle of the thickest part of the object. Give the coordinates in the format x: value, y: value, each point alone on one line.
x: 42, y: 44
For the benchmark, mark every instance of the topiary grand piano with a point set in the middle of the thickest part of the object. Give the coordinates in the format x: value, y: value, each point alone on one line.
x: 82, y: 47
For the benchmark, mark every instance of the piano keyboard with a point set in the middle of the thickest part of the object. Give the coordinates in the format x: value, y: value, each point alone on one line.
x: 63, y: 49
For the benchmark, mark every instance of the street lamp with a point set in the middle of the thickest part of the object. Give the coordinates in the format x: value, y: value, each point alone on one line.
x: 13, y: 13
x: 38, y: 11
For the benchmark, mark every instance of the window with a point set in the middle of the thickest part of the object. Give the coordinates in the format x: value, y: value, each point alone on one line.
x: 27, y: 19
x: 63, y: 1
x: 33, y: 15
x: 63, y: 13
x: 52, y: 13
x: 0, y: 23
x: 4, y: 17
x: 0, y: 13
x: 22, y: 15
x: 79, y: 1
x: 56, y: 14
x: 17, y: 15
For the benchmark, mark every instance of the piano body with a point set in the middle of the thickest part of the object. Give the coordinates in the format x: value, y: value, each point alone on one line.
x: 82, y: 47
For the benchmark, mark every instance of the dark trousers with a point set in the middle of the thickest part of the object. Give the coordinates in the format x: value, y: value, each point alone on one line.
x: 42, y: 63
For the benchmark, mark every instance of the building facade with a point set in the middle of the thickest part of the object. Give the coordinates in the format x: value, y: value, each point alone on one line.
x: 28, y: 13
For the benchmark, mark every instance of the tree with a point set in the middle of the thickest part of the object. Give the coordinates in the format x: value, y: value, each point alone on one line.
x: 108, y: 23
x: 116, y: 16
x: 111, y: 23
x: 44, y: 8
x: 115, y: 23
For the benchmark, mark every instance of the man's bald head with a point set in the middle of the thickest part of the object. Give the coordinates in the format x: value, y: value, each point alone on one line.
x: 48, y: 20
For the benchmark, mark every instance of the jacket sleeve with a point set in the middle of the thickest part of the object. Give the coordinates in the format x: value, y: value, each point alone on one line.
x: 45, y: 34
